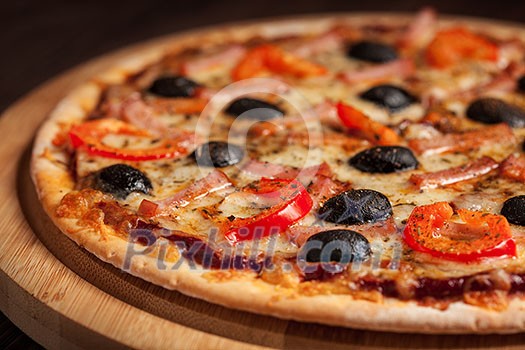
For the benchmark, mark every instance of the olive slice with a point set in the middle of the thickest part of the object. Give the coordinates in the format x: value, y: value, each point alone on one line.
x: 384, y: 159
x: 372, y: 52
x: 490, y: 110
x: 514, y: 210
x: 254, y: 109
x: 218, y: 154
x: 121, y: 179
x: 342, y: 246
x: 356, y: 207
x: 173, y: 86
x: 521, y: 84
x: 392, y: 97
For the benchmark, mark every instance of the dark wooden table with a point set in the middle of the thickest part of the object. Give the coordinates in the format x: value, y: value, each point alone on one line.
x: 41, y: 39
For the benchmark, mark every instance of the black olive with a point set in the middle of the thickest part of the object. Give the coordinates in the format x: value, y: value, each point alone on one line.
x: 218, y: 154
x: 173, y: 86
x: 521, y: 84
x: 384, y: 159
x: 121, y: 180
x: 490, y: 110
x: 264, y: 110
x: 338, y: 246
x: 390, y: 96
x: 372, y: 52
x: 356, y: 207
x: 514, y: 210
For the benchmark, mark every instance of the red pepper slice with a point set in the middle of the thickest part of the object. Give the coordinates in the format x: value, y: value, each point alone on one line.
x: 482, y: 235
x: 296, y: 204
x: 89, y: 136
x: 452, y: 45
x: 267, y: 57
x: 371, y: 130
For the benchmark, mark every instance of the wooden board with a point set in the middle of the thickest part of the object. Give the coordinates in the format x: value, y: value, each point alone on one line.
x: 63, y: 296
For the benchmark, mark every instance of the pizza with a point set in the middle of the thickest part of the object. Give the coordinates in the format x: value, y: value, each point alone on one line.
x: 359, y: 171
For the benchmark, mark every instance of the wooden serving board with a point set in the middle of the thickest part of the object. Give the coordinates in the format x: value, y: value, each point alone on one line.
x: 64, y: 297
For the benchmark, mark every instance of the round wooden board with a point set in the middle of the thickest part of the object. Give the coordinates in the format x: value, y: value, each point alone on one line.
x: 63, y: 296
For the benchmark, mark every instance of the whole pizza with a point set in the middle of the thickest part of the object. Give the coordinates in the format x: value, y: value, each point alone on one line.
x: 361, y: 171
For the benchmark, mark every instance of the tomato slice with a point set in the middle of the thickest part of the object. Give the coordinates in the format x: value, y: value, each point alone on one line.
x: 296, y: 203
x: 452, y: 45
x: 89, y: 136
x: 373, y: 131
x: 271, y: 58
x: 482, y: 235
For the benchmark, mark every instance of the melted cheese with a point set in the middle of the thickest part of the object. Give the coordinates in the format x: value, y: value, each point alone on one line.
x: 171, y: 176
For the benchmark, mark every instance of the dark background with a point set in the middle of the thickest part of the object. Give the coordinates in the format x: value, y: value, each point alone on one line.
x: 40, y: 39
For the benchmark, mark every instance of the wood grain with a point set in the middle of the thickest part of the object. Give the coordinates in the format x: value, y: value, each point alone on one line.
x: 76, y: 300
x: 41, y: 295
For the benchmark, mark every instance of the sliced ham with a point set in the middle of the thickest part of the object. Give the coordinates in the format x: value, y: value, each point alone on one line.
x: 205, y: 93
x: 134, y: 110
x: 322, y: 169
x: 401, y: 68
x: 230, y: 56
x: 320, y: 182
x: 137, y: 112
x: 327, y: 42
x: 324, y: 188
x: 318, y: 178
x: 419, y: 32
x: 183, y: 105
x: 242, y: 89
x: 212, y: 183
x: 114, y: 96
x: 264, y: 129
x: 443, y: 120
x: 495, y: 134
x: 468, y: 171
x: 324, y: 113
x: 347, y: 142
x: 299, y: 234
x: 514, y: 168
x: 503, y: 82
x: 263, y: 169
x: 511, y: 51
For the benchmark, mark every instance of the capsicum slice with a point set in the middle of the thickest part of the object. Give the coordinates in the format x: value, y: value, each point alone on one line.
x: 295, y: 204
x: 89, y: 136
x: 371, y: 130
x: 450, y: 46
x: 271, y: 58
x: 480, y: 235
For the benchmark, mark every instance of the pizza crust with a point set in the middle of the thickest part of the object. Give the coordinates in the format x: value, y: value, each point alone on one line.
x: 53, y: 181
